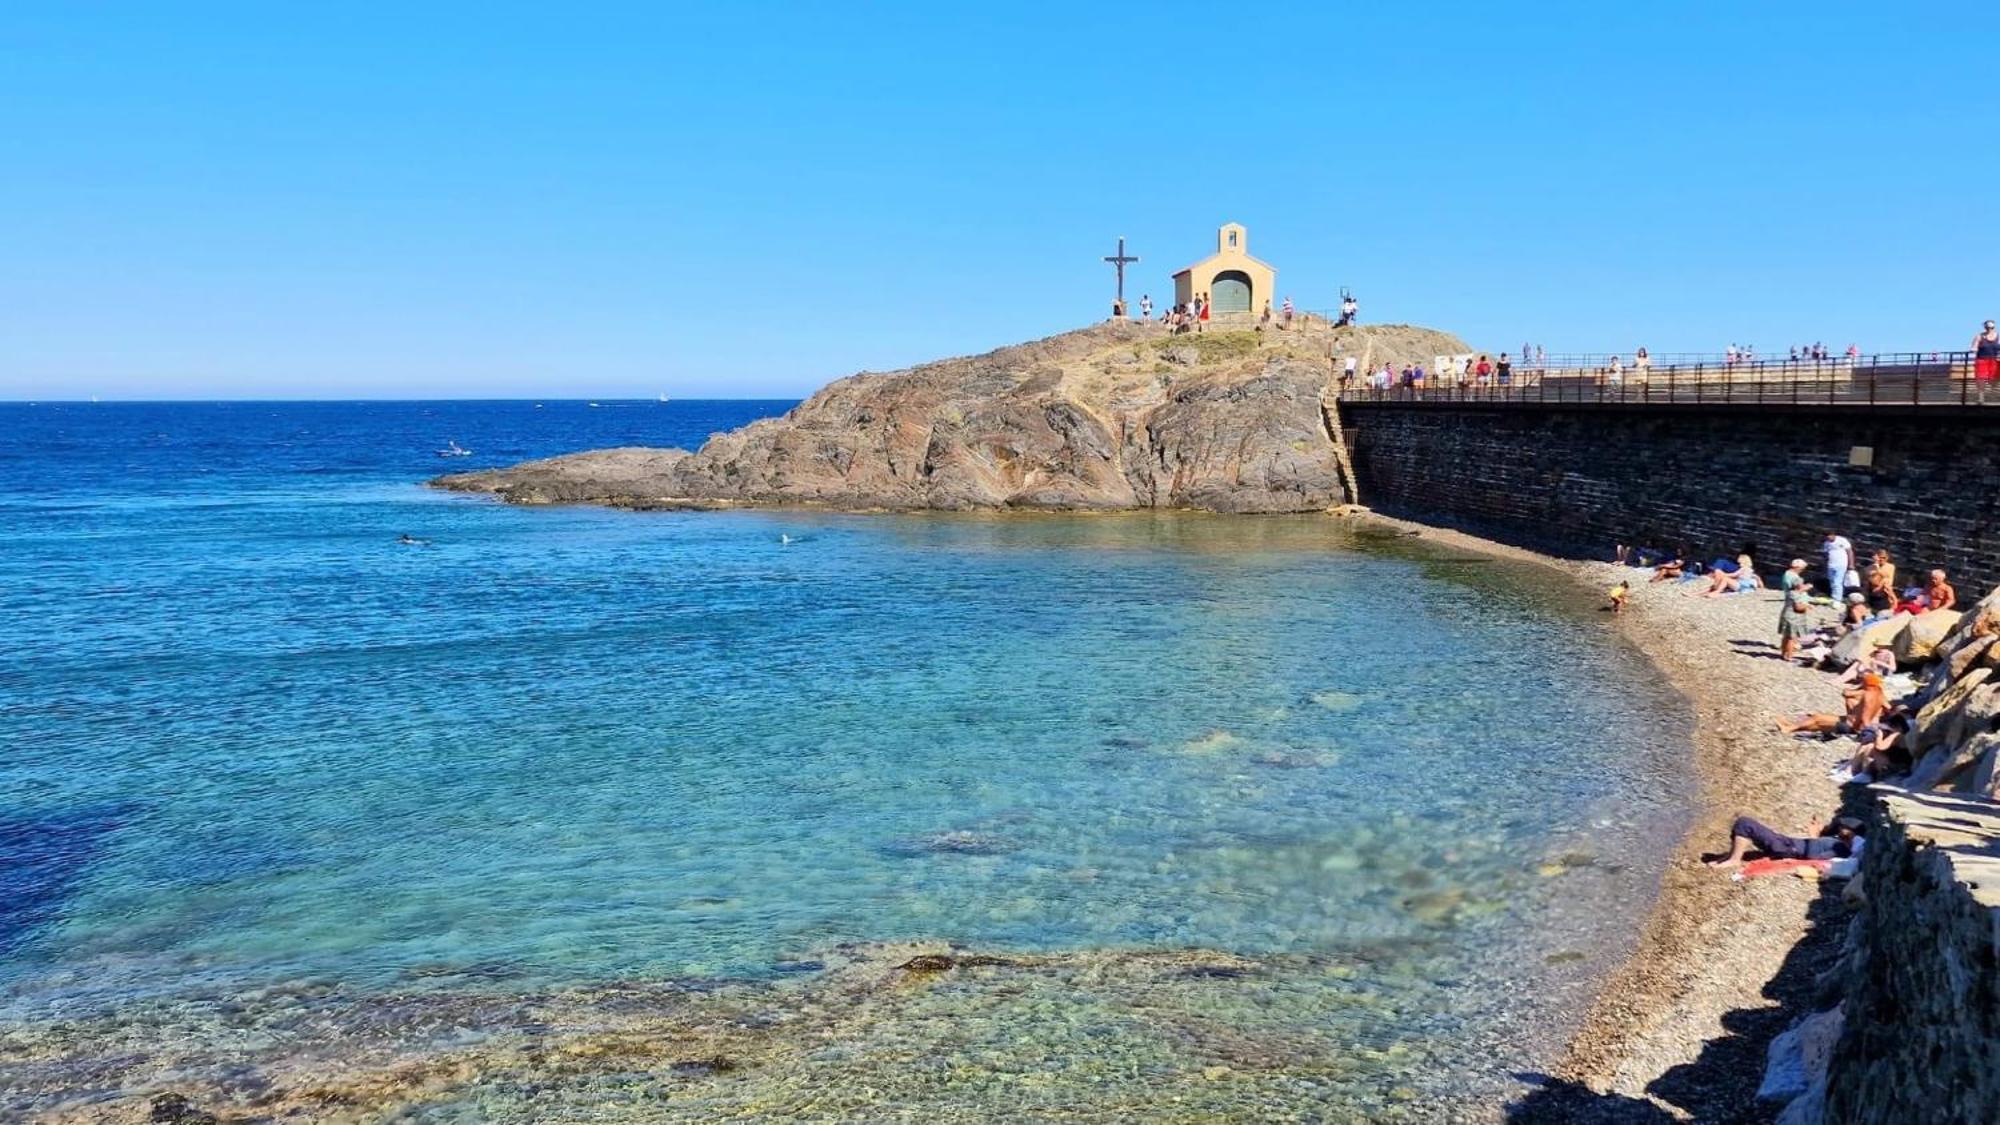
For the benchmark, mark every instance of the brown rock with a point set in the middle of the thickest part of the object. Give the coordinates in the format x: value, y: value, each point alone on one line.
x: 1915, y: 644
x: 1937, y: 723
x: 1115, y: 416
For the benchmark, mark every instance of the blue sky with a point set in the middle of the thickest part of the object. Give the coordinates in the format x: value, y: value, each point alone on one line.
x: 259, y: 200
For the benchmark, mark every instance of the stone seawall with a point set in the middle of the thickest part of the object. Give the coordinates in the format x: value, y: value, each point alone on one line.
x: 1920, y: 1037
x: 1577, y: 479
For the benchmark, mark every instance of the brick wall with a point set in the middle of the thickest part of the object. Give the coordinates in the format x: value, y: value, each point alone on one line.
x: 1576, y: 480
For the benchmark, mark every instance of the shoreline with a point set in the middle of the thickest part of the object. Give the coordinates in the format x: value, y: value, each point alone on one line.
x: 1709, y: 946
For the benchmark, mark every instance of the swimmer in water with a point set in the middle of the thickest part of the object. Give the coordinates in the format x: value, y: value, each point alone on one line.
x: 412, y: 541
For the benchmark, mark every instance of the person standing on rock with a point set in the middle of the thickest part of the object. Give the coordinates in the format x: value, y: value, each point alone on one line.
x: 1145, y: 307
x: 1839, y: 560
x: 1986, y: 359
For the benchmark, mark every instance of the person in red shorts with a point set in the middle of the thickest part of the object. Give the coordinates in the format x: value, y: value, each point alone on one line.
x: 1986, y: 359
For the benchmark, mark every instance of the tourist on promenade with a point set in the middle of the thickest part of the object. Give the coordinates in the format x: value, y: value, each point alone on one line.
x: 1845, y: 841
x: 1617, y: 370
x: 1503, y: 371
x: 1986, y: 358
x: 1839, y: 560
x: 1795, y: 618
x: 1865, y: 707
x: 1939, y: 594
x: 1642, y: 365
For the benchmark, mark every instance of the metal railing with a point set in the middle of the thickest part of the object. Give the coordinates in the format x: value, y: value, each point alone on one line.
x: 1886, y: 379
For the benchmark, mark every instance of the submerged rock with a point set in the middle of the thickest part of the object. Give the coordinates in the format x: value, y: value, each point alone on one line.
x: 950, y: 843
x: 175, y: 1109
x: 1336, y: 701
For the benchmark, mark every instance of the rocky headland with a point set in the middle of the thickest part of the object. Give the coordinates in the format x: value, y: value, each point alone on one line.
x: 1119, y: 415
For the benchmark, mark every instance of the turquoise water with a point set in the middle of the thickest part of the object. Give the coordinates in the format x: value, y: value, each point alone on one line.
x: 253, y: 741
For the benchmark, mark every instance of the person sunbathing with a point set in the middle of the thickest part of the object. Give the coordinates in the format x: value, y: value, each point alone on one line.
x: 1845, y: 840
x: 1732, y: 578
x: 1939, y: 594
x: 1882, y: 662
x: 1671, y: 569
x: 1865, y: 708
x: 1878, y: 754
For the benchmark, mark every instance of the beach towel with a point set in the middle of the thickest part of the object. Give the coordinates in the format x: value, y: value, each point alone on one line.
x: 1757, y: 868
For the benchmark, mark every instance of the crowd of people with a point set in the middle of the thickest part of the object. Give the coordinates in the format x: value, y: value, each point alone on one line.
x: 1195, y: 314
x: 1878, y: 703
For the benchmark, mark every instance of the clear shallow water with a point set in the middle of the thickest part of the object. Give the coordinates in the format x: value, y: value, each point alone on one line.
x: 252, y: 741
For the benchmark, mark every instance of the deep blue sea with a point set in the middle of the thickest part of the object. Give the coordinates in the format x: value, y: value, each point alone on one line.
x: 249, y: 739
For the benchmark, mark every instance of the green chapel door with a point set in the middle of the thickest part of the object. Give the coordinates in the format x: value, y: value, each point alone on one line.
x: 1231, y: 292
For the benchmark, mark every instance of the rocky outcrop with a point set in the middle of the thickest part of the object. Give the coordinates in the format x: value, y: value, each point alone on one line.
x: 1955, y: 738
x: 1116, y: 416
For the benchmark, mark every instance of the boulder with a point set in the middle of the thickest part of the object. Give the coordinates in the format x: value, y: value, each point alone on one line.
x: 1860, y: 642
x: 1935, y: 725
x: 1984, y: 781
x: 1945, y: 763
x: 1796, y: 1060
x: 1916, y: 643
x: 1968, y: 655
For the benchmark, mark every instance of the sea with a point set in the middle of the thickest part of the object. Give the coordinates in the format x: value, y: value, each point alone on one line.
x: 329, y: 792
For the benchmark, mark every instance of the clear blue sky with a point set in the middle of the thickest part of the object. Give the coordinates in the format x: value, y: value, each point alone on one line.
x: 284, y: 200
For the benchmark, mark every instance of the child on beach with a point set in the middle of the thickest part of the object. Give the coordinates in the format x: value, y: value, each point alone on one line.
x: 1618, y: 595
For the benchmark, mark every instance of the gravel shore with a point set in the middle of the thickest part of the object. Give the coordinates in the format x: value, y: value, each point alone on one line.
x: 1679, y: 1031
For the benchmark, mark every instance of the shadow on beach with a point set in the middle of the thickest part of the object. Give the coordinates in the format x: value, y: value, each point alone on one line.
x: 1720, y: 1085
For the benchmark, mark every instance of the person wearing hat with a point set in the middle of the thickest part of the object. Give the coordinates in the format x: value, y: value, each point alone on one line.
x: 1840, y: 840
x: 1857, y: 610
x: 1795, y: 619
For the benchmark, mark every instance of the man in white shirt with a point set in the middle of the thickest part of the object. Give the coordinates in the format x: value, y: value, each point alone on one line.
x: 1839, y: 559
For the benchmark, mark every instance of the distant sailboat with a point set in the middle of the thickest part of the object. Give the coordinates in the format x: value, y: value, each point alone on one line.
x: 663, y: 398
x: 594, y: 404
x: 453, y: 449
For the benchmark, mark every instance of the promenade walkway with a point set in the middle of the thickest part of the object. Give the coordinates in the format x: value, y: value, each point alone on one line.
x: 1887, y: 379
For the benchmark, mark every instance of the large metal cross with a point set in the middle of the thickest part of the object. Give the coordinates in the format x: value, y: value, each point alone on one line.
x: 1119, y: 261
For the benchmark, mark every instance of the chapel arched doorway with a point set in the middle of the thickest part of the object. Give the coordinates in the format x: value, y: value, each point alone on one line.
x: 1230, y: 292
